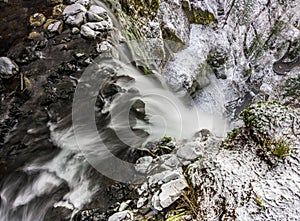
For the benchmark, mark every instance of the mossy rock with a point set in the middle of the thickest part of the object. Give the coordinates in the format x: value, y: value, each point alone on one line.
x: 199, y: 16
x: 142, y: 8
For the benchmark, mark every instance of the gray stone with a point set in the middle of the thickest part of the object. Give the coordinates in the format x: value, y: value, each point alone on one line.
x: 164, y: 177
x: 171, y: 191
x: 143, y: 164
x: 190, y: 151
x: 92, y: 29
x: 53, y: 26
x: 141, y: 202
x: 74, y: 14
x: 120, y: 216
x: 97, y: 13
x: 7, y: 68
x: 75, y: 30
x: 82, y: 2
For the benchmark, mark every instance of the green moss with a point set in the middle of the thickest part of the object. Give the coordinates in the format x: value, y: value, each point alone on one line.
x: 248, y: 116
x: 198, y: 16
x: 260, y: 203
x: 292, y: 87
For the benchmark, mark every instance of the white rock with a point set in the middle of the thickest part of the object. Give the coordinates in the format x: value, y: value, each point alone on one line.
x: 56, y: 26
x: 92, y: 29
x: 82, y: 2
x: 190, y: 151
x: 75, y: 30
x: 97, y: 13
x: 171, y: 191
x: 141, y: 202
x: 164, y: 177
x: 7, y: 67
x: 120, y: 216
x: 143, y: 164
x: 156, y: 202
x: 74, y: 14
x: 87, y: 32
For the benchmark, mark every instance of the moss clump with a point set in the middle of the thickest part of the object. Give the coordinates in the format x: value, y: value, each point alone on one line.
x: 281, y: 149
x: 199, y: 16
x: 141, y: 8
x: 260, y: 203
x: 292, y: 87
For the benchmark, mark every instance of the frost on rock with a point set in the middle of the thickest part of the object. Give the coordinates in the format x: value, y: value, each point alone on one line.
x: 175, y: 24
x: 239, y: 183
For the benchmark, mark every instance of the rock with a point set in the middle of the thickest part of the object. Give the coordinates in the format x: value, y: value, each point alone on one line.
x: 58, y: 10
x: 141, y: 202
x: 34, y: 35
x: 143, y: 164
x: 120, y: 216
x: 53, y: 26
x: 54, y: 2
x: 36, y: 20
x: 74, y: 14
x: 190, y: 151
x: 97, y: 13
x: 82, y: 2
x: 8, y: 68
x: 75, y: 30
x: 171, y: 191
x: 93, y: 29
x: 174, y: 23
x: 124, y: 205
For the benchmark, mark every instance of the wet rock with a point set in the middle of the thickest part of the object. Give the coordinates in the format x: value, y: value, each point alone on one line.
x: 58, y: 10
x: 8, y: 68
x: 34, y: 35
x: 96, y: 14
x: 36, y: 20
x: 143, y: 164
x: 82, y: 2
x: 74, y: 14
x: 124, y: 215
x: 93, y: 29
x: 53, y: 26
x: 75, y: 30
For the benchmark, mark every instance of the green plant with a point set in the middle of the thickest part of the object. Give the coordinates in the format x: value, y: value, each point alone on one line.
x: 281, y: 149
x: 260, y: 203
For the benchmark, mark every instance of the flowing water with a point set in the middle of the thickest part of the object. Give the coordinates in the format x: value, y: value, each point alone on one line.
x: 111, y: 90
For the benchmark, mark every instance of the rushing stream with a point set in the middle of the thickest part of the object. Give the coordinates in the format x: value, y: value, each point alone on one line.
x: 117, y: 109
